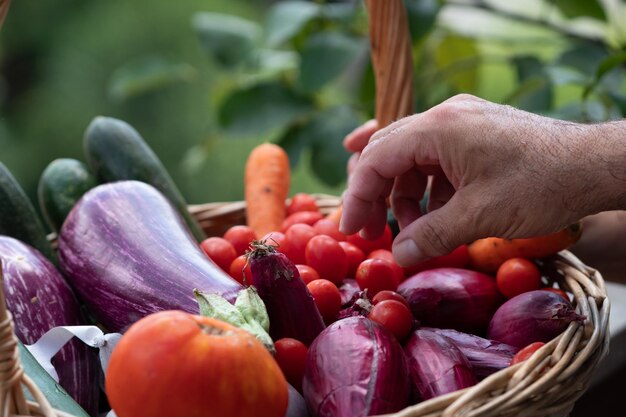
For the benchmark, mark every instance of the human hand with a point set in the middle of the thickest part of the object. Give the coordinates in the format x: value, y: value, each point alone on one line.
x: 496, y: 171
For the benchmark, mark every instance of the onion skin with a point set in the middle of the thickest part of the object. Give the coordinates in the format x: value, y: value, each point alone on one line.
x: 436, y: 365
x: 355, y: 368
x: 348, y: 289
x: 296, y: 406
x: 533, y: 316
x: 290, y: 305
x: 484, y: 356
x: 453, y: 298
x: 128, y: 253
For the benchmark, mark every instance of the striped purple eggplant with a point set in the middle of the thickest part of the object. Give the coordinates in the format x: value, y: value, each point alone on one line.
x: 128, y: 253
x: 39, y: 299
x: 355, y: 368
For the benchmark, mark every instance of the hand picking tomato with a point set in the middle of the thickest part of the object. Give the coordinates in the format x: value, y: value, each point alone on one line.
x: 517, y: 275
x: 225, y: 372
x: 327, y: 257
x: 375, y: 275
x: 526, y: 352
x: 301, y: 202
x: 307, y: 273
x: 240, y: 270
x: 220, y: 251
x: 327, y: 298
x: 387, y: 255
x: 395, y: 316
x: 240, y: 236
x: 366, y: 245
x: 291, y: 357
x: 355, y: 257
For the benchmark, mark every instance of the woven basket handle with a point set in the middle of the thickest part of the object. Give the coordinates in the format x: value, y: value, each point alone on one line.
x: 392, y: 59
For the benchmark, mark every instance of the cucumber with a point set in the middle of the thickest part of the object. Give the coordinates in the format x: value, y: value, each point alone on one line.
x: 62, y: 184
x: 54, y: 393
x: 18, y: 218
x: 116, y: 151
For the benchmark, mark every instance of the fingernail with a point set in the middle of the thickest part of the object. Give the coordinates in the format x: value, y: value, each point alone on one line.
x: 407, y: 253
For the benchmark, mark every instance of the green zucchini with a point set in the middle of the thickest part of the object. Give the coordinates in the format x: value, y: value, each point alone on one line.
x: 115, y: 151
x: 18, y: 217
x: 54, y: 393
x: 62, y: 184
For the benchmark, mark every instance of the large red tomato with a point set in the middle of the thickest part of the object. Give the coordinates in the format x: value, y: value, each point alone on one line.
x: 177, y: 364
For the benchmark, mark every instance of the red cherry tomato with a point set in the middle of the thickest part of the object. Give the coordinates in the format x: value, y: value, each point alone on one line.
x: 297, y: 236
x: 458, y: 258
x: 526, y: 352
x: 393, y: 315
x: 376, y: 275
x: 327, y: 298
x: 307, y: 273
x: 240, y: 236
x: 301, y: 202
x: 388, y: 256
x: 355, y: 257
x: 220, y: 251
x: 327, y: 257
x: 381, y: 242
x: 278, y: 240
x: 557, y: 291
x: 517, y: 275
x: 291, y: 358
x: 307, y: 217
x: 388, y: 295
x: 330, y: 228
x: 239, y: 269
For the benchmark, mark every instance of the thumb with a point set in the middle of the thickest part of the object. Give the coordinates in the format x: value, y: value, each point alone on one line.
x: 437, y: 233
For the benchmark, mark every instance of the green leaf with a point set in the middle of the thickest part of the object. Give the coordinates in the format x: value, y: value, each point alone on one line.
x: 560, y: 75
x: 146, y: 75
x: 580, y: 8
x: 604, y: 68
x: 452, y: 55
x: 285, y: 20
x: 584, y: 57
x: 421, y: 15
x: 339, y: 12
x: 325, y: 56
x: 228, y: 39
x: 619, y: 100
x: 262, y: 109
x: 535, y: 91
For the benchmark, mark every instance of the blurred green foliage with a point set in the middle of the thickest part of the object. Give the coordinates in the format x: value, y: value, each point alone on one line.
x: 205, y: 81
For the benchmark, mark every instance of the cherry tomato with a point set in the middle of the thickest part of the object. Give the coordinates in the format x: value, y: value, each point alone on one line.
x: 393, y: 315
x: 278, y: 240
x: 388, y: 295
x: 297, y: 236
x: 307, y: 273
x: 376, y: 275
x: 330, y: 228
x: 327, y: 298
x: 291, y: 358
x: 366, y: 245
x: 388, y: 256
x: 240, y: 236
x: 355, y: 257
x: 517, y: 275
x: 239, y: 269
x: 458, y: 258
x: 557, y: 291
x: 327, y: 257
x: 301, y: 202
x: 220, y: 251
x: 307, y: 217
x: 526, y: 352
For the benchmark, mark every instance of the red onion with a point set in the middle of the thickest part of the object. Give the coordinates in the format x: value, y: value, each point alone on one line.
x: 452, y: 298
x: 533, y: 316
x: 355, y: 368
x: 348, y: 289
x: 297, y: 406
x: 436, y: 365
x: 290, y: 306
x: 485, y: 356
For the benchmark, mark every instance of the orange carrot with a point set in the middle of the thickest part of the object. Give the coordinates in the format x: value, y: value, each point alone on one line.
x: 335, y: 215
x: 267, y: 181
x: 488, y: 254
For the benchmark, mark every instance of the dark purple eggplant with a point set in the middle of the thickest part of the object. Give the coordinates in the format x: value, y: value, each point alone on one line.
x: 128, y: 253
x: 296, y: 406
x: 533, y: 316
x: 485, y: 356
x: 436, y: 365
x: 355, y: 368
x: 452, y: 298
x: 39, y: 299
x: 290, y: 305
